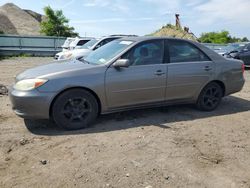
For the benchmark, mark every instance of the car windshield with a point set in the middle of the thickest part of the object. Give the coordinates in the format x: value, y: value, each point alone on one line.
x: 107, y: 52
x: 240, y: 48
x: 89, y: 44
x: 235, y: 47
x: 67, y: 42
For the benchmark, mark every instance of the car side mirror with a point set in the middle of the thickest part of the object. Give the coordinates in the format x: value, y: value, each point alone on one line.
x: 121, y: 63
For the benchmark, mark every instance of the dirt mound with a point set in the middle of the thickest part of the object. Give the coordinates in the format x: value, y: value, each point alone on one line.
x: 14, y: 20
x: 173, y: 31
x: 35, y: 15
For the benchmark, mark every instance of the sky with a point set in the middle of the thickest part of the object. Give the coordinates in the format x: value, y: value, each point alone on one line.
x: 103, y: 17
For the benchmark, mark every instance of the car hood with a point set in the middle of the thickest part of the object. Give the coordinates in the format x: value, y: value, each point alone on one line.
x: 81, y: 51
x: 61, y: 53
x: 52, y: 69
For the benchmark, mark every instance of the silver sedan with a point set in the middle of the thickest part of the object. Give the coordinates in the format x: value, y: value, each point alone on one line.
x: 125, y: 74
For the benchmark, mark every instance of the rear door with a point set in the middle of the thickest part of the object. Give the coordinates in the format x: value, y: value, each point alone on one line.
x: 188, y: 70
x: 144, y: 81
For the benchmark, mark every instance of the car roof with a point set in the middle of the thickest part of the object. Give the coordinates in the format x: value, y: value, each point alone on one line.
x: 117, y: 36
x: 142, y: 38
x: 84, y: 38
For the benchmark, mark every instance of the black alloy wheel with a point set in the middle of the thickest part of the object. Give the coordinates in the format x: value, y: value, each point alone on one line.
x: 75, y: 109
x: 210, y: 97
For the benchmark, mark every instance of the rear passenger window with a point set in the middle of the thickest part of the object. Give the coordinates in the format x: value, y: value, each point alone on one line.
x: 82, y: 42
x: 181, y: 51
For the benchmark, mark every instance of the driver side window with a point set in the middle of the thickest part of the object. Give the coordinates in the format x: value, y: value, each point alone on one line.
x: 146, y: 53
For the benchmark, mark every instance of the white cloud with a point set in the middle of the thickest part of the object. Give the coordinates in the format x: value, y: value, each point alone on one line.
x: 89, y: 4
x: 192, y: 3
x: 115, y: 5
x: 111, y: 20
x: 59, y: 4
x: 67, y: 4
x: 165, y: 5
x: 230, y: 11
x: 207, y: 11
x: 208, y: 15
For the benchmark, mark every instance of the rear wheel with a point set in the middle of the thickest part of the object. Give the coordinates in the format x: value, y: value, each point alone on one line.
x: 75, y: 109
x: 210, y: 97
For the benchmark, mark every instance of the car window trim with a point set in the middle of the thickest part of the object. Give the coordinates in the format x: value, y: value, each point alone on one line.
x: 166, y: 52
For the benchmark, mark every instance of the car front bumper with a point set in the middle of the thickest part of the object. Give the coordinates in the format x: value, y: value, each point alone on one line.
x: 31, y: 104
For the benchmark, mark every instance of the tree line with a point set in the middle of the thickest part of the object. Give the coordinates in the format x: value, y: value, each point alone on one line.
x: 222, y: 37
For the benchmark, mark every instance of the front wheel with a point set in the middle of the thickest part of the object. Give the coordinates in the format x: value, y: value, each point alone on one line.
x: 75, y: 109
x: 210, y: 97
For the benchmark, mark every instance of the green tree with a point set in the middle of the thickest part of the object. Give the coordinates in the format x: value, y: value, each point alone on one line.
x: 56, y: 24
x: 245, y: 39
x: 1, y: 32
x: 222, y: 37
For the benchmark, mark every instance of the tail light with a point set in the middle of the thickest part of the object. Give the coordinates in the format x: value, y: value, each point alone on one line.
x: 243, y: 68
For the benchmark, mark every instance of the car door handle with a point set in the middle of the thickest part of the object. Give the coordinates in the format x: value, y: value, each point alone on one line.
x: 159, y: 72
x: 207, y: 68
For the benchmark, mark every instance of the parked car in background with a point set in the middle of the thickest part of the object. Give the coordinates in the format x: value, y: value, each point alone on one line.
x: 127, y: 73
x: 232, y: 47
x: 218, y: 48
x: 87, y: 48
x: 78, y: 42
x: 65, y: 46
x: 72, y: 43
x: 241, y: 52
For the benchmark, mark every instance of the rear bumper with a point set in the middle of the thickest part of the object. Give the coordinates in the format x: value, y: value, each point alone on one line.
x: 235, y: 87
x: 31, y: 104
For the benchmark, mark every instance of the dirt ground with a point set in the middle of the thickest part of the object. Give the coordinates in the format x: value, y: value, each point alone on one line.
x: 162, y: 147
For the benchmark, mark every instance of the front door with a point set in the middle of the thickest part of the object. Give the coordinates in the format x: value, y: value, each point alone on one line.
x: 189, y: 69
x: 144, y: 81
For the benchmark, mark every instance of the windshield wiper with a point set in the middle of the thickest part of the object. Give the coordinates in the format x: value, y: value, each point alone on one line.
x: 86, y: 61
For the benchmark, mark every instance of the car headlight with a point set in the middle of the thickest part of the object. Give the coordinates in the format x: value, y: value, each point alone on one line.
x: 68, y: 55
x: 29, y: 84
x: 62, y: 57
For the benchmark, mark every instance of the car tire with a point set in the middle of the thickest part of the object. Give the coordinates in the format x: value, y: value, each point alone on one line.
x: 210, y: 97
x: 75, y: 109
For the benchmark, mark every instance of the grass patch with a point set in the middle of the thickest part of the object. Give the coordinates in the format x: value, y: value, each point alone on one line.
x: 14, y: 56
x: 3, y: 57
